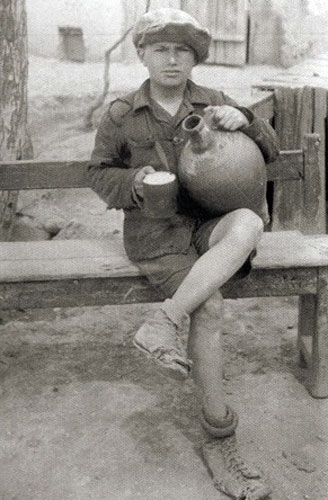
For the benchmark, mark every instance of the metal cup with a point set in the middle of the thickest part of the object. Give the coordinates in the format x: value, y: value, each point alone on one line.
x: 160, y: 191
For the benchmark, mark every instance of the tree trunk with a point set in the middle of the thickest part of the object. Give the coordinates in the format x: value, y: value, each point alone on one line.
x: 15, y: 143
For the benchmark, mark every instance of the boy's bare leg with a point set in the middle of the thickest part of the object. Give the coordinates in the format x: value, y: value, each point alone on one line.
x: 231, y: 474
x: 231, y: 242
x: 205, y: 350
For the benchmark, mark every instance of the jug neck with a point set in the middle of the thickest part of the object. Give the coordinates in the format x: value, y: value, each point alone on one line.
x: 199, y: 133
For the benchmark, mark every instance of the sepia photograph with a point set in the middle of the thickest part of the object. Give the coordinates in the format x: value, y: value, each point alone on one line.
x: 163, y: 250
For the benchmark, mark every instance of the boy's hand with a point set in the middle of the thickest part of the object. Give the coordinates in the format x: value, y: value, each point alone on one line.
x: 137, y: 185
x: 226, y: 117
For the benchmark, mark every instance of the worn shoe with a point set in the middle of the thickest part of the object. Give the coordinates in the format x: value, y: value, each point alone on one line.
x: 231, y: 475
x: 159, y: 338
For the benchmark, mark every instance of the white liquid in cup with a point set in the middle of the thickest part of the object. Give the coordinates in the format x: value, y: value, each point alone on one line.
x: 158, y: 178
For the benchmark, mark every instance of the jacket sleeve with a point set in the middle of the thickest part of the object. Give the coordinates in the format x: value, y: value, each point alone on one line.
x: 259, y: 130
x: 108, y: 171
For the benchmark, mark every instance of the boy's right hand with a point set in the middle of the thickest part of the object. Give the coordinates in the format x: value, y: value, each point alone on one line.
x: 141, y: 174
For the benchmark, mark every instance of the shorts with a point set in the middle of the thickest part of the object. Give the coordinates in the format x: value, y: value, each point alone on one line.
x: 166, y: 273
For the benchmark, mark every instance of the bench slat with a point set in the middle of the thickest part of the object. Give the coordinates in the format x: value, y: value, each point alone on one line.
x: 61, y: 249
x: 73, y: 259
x: 59, y: 269
x: 130, y: 290
x: 283, y: 249
x: 31, y: 174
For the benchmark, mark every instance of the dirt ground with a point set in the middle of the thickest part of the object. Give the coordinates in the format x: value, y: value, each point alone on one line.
x: 83, y: 415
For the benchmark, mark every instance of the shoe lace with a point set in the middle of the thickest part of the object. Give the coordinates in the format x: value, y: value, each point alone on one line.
x: 234, y: 461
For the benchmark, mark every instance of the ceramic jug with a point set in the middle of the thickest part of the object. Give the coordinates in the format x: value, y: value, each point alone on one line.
x: 222, y: 170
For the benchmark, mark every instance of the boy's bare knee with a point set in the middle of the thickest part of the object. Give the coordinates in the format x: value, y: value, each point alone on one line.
x: 247, y: 224
x: 243, y: 225
x: 257, y: 224
x: 247, y: 216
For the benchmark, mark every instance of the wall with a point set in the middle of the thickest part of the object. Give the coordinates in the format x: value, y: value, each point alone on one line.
x: 297, y: 43
x: 265, y: 33
x: 100, y: 20
x: 284, y: 32
x: 317, y: 24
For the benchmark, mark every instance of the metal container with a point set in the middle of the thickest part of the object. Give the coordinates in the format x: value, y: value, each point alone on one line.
x: 160, y: 190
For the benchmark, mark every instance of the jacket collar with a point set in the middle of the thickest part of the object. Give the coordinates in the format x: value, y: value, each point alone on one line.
x: 194, y: 94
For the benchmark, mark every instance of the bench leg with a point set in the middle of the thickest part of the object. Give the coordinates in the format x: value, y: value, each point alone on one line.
x: 306, y: 326
x: 313, y: 336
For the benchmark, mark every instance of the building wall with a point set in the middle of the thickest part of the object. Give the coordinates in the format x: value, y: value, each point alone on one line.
x: 281, y: 32
x: 317, y: 24
x: 100, y: 20
x: 284, y: 32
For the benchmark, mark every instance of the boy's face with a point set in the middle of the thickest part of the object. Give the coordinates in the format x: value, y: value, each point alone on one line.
x: 169, y: 64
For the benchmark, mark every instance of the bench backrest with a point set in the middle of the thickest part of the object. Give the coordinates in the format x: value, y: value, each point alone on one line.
x: 32, y: 174
x: 295, y: 166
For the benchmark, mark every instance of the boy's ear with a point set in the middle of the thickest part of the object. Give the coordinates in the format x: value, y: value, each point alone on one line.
x: 141, y: 53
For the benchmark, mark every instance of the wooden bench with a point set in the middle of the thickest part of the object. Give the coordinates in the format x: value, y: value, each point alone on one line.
x: 79, y: 273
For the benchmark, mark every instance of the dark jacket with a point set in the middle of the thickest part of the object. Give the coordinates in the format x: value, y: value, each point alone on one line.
x: 126, y: 141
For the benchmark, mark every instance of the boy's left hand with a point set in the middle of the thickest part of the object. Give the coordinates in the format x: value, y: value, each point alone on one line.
x: 226, y: 118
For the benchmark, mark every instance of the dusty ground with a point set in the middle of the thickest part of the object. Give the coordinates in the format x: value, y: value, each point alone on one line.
x: 83, y: 415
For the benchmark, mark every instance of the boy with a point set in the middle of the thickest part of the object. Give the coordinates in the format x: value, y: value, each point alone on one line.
x: 189, y: 256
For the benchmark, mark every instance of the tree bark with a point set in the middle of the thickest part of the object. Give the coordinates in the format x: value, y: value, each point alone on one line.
x: 15, y: 143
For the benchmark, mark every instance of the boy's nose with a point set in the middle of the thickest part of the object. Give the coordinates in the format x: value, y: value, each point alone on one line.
x: 173, y: 58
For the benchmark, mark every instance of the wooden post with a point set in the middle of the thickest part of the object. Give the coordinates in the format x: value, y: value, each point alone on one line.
x: 319, y: 127
x: 319, y: 365
x: 313, y: 322
x: 299, y: 112
x: 306, y: 327
x: 313, y: 218
x: 293, y: 119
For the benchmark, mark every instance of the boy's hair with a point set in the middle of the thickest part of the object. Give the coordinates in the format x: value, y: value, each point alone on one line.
x: 172, y: 25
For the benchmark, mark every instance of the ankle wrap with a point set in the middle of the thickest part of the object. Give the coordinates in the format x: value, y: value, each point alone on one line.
x: 223, y: 427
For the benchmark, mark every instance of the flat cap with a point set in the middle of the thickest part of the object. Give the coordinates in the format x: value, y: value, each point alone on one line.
x: 172, y: 25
